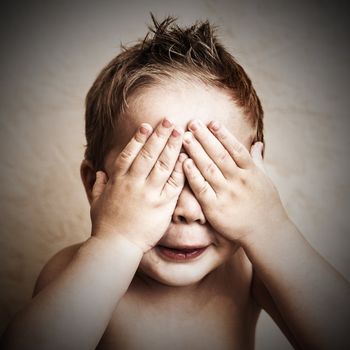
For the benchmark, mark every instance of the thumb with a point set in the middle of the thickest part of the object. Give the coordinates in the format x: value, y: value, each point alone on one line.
x: 256, y: 154
x: 99, y: 185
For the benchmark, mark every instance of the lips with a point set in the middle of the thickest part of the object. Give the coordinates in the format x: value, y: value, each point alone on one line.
x: 180, y: 253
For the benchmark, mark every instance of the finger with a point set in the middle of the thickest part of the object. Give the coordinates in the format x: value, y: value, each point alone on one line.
x: 132, y: 149
x: 237, y: 150
x: 200, y: 187
x: 206, y: 166
x: 176, y: 181
x: 99, y: 185
x: 165, y: 164
x: 151, y: 150
x: 213, y: 147
x: 256, y: 154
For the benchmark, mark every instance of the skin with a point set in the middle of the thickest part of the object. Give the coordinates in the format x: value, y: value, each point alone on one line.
x: 185, y: 224
x: 161, y: 189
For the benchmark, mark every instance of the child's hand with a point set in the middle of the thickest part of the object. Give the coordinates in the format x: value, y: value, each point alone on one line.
x: 236, y: 196
x: 139, y: 198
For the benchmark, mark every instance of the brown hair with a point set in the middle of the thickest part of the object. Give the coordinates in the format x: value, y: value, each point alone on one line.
x: 166, y: 51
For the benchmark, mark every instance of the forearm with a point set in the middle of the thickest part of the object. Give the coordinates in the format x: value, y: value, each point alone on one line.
x: 74, y: 310
x: 311, y: 295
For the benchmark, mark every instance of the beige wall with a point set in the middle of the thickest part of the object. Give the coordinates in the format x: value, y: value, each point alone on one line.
x: 297, y: 57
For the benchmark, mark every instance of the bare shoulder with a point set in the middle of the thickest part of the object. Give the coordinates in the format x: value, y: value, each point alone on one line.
x: 55, y: 266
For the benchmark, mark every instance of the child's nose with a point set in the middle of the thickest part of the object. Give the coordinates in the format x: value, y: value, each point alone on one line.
x: 188, y: 209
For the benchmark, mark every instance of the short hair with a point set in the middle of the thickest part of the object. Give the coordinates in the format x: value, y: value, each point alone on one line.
x: 166, y: 50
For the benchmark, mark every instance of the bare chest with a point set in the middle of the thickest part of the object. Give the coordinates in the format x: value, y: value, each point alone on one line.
x: 221, y: 321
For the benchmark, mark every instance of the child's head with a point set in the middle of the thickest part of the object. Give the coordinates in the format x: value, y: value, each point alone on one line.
x: 167, y: 53
x: 183, y: 74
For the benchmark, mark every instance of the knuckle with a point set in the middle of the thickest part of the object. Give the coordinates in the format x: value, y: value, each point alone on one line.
x: 150, y: 198
x: 243, y: 180
x: 160, y: 133
x: 222, y: 135
x: 192, y: 174
x: 195, y: 178
x: 222, y: 157
x: 203, y: 190
x: 123, y: 157
x: 210, y: 168
x: 139, y: 138
x: 238, y: 147
x: 172, y: 182
x: 172, y: 144
x: 163, y: 165
x: 128, y: 187
x: 146, y: 154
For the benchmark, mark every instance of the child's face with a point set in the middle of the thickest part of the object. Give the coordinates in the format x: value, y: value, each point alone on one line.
x: 182, y: 102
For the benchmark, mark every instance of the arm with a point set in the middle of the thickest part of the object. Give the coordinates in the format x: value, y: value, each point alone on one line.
x: 311, y: 296
x: 242, y: 204
x: 73, y: 311
x: 130, y: 212
x: 263, y: 299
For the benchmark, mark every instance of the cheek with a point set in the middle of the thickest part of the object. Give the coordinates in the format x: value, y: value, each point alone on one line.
x: 149, y: 260
x: 225, y: 247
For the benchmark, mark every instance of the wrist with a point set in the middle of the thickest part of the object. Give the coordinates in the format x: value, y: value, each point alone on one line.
x: 114, y: 245
x: 112, y: 236
x: 110, y: 264
x: 268, y: 230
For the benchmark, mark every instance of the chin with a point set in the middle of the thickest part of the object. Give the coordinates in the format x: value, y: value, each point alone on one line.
x: 183, y: 272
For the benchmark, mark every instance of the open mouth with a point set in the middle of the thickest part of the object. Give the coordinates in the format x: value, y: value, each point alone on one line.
x: 180, y: 254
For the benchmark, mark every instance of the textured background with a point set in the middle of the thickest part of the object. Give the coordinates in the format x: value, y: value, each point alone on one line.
x: 297, y: 55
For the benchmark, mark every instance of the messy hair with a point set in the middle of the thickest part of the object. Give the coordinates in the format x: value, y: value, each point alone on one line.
x: 167, y: 51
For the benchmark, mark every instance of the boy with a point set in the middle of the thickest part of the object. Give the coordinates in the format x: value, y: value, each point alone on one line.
x: 189, y: 236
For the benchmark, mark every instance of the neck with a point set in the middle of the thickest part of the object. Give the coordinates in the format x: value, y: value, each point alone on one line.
x: 155, y: 286
x: 192, y: 296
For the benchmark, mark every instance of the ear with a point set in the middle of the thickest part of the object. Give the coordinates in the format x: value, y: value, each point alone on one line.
x: 88, y: 176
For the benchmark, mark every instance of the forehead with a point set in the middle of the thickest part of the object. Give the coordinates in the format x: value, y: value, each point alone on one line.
x: 181, y: 102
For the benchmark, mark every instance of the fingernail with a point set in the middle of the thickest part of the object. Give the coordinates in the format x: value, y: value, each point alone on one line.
x: 167, y: 123
x: 177, y: 132
x: 194, y: 125
x: 144, y: 130
x: 215, y: 126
